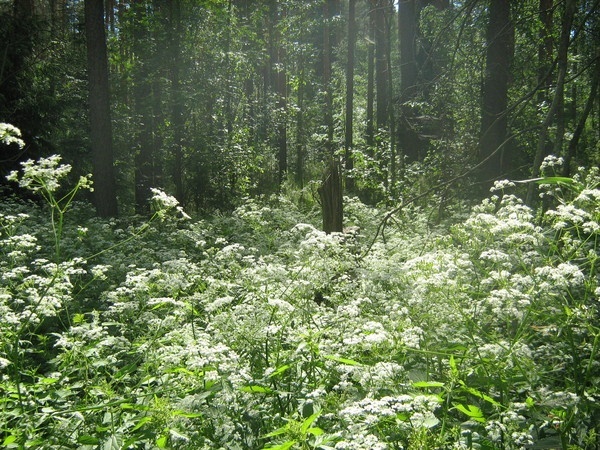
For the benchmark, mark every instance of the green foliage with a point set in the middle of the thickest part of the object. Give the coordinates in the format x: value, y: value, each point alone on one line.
x: 255, y: 330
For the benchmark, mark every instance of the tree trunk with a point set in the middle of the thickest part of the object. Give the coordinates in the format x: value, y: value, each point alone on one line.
x: 370, y: 131
x: 563, y: 47
x: 175, y: 34
x: 408, y: 18
x: 494, y: 155
x: 330, y: 190
x: 572, y: 149
x: 105, y: 197
x: 330, y: 193
x: 382, y: 75
x: 349, y: 130
x: 281, y: 89
x: 142, y: 93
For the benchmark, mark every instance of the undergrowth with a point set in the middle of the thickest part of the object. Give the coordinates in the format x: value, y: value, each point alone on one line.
x: 256, y: 330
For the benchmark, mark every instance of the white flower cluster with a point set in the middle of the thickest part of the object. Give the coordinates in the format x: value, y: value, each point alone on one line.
x: 10, y: 134
x: 44, y: 174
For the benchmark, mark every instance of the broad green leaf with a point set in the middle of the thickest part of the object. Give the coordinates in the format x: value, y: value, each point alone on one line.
x: 161, y: 442
x: 185, y: 414
x: 9, y: 440
x: 309, y: 421
x: 88, y: 440
x: 481, y: 395
x: 315, y: 431
x: 113, y: 443
x: 277, y: 432
x: 142, y: 422
x: 254, y: 388
x: 348, y: 362
x: 280, y: 370
x: 428, y: 384
x: 472, y: 411
x: 48, y: 380
x: 284, y: 446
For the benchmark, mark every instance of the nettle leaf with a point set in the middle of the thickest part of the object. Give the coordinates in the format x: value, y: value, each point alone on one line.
x: 88, y: 440
x: 348, y: 362
x: 309, y: 421
x: 256, y: 389
x: 472, y: 411
x: 284, y: 446
x: 280, y: 370
x: 428, y: 384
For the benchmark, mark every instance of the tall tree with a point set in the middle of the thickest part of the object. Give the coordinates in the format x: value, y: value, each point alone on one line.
x: 408, y: 19
x: 105, y: 197
x: 142, y: 97
x: 330, y: 190
x: 494, y: 156
x: 558, y: 99
x: 177, y: 119
x: 349, y: 119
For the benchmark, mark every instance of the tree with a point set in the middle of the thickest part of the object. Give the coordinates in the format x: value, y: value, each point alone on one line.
x: 105, y: 197
x: 349, y: 119
x: 494, y: 154
x: 330, y: 191
x: 558, y: 100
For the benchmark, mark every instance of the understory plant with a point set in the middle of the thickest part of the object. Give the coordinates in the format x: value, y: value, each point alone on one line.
x: 256, y: 330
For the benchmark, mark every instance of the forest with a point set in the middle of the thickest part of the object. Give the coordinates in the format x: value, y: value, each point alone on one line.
x: 299, y: 224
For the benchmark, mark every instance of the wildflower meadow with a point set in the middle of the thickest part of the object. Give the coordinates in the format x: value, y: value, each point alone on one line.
x: 255, y: 330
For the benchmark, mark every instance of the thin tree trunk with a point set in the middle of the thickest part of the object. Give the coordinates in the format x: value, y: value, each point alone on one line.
x: 370, y: 131
x: 142, y: 92
x: 281, y: 89
x: 177, y: 118
x: 572, y: 149
x: 565, y: 36
x: 494, y: 122
x: 349, y: 119
x: 105, y: 197
x: 330, y: 191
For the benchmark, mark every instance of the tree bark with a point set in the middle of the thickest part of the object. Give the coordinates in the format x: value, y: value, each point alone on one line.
x: 330, y: 193
x: 105, y: 197
x: 175, y: 33
x: 330, y: 190
x: 572, y: 149
x: 557, y: 101
x: 142, y: 93
x: 494, y: 155
x: 370, y: 128
x: 349, y: 119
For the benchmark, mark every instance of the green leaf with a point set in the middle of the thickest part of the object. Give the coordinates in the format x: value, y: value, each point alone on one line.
x: 309, y: 421
x: 428, y: 384
x: 348, y: 362
x: 187, y: 415
x: 315, y: 431
x: 113, y: 443
x: 142, y: 422
x: 280, y: 370
x: 472, y: 411
x: 161, y: 442
x: 284, y: 446
x: 254, y: 388
x: 453, y: 367
x: 9, y: 440
x: 88, y: 440
x: 479, y: 394
x: 554, y: 180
